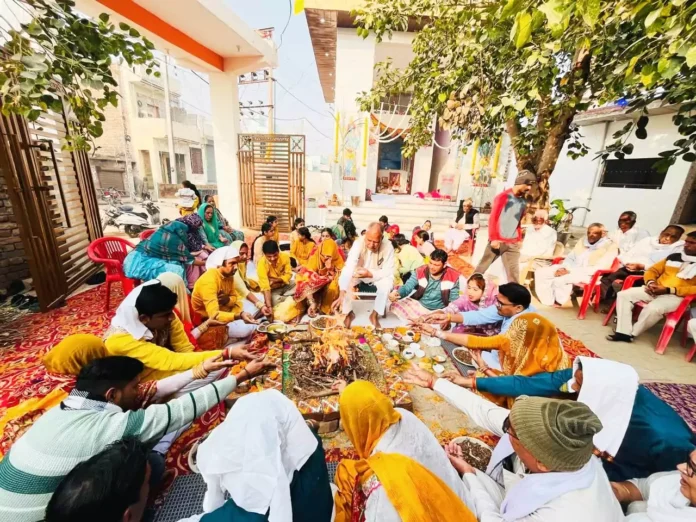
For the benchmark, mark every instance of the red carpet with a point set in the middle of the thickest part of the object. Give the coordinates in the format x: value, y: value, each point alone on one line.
x: 23, y: 376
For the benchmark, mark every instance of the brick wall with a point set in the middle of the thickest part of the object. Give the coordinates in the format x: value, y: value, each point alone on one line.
x: 13, y: 263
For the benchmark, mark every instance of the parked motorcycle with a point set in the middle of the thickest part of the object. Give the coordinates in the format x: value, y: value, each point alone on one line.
x: 133, y: 222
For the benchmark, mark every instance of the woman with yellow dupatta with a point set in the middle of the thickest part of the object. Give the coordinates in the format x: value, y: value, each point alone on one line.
x: 317, y: 282
x: 403, y: 474
x: 531, y: 345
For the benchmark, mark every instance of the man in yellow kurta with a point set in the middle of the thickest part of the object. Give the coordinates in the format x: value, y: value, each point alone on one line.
x: 275, y: 273
x: 215, y: 295
x: 146, y: 328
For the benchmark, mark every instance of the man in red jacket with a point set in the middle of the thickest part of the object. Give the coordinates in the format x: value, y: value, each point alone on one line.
x: 504, y: 232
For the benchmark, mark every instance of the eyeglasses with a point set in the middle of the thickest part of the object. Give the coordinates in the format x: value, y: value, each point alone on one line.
x: 508, y: 429
x: 500, y: 304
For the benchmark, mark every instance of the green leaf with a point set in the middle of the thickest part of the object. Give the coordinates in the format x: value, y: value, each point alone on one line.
x: 678, y: 3
x: 689, y: 156
x: 668, y: 68
x: 553, y: 11
x: 589, y: 9
x: 104, y: 17
x: 652, y: 17
x: 520, y: 105
x: 523, y: 32
x: 123, y: 26
x: 133, y: 32
x: 512, y: 7
x: 691, y: 56
x: 442, y: 97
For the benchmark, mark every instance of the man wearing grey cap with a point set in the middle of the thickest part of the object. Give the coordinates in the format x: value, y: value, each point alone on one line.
x: 504, y: 231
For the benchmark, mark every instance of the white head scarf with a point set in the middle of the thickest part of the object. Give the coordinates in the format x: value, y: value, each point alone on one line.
x: 254, y: 453
x: 219, y: 256
x: 609, y: 388
x: 127, y: 317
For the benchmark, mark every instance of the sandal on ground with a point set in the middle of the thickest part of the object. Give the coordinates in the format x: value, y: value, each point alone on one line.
x: 619, y: 337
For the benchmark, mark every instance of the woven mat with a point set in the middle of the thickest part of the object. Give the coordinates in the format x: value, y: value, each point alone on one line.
x: 185, y: 497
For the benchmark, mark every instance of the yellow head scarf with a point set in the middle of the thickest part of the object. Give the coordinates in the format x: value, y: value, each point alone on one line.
x: 327, y: 248
x: 177, y: 285
x: 417, y: 494
x: 533, y: 346
x: 241, y: 267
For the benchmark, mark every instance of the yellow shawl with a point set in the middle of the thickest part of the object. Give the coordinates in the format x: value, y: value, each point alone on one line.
x: 326, y: 249
x: 417, y: 494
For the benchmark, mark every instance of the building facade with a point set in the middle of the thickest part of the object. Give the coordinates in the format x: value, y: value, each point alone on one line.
x: 133, y: 152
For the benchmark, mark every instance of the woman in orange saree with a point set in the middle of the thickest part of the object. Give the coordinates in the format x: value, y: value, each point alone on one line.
x: 317, y: 282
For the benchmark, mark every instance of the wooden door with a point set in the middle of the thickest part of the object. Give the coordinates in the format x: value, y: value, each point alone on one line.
x: 53, y: 195
x: 272, y: 177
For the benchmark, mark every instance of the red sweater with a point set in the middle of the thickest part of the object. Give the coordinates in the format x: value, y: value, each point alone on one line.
x: 506, y: 215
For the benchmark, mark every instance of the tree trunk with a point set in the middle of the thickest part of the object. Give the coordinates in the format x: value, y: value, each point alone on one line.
x: 542, y: 162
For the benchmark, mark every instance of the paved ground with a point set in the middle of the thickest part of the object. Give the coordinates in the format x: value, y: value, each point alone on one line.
x: 670, y: 367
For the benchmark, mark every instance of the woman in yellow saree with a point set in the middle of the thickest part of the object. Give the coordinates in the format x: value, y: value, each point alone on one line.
x: 403, y: 473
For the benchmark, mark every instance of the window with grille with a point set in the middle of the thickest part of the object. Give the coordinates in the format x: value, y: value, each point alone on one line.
x: 196, y: 161
x: 632, y: 173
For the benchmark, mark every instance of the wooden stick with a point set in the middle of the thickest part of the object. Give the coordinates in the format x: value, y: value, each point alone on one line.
x: 325, y: 393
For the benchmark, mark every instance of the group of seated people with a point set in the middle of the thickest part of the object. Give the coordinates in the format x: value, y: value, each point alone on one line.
x: 577, y: 439
x: 606, y: 444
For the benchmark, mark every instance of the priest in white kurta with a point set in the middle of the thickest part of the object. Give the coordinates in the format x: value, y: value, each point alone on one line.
x: 370, y: 260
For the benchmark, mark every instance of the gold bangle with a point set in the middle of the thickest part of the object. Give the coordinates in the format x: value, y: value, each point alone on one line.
x: 203, y: 327
x: 449, y: 317
x: 259, y: 305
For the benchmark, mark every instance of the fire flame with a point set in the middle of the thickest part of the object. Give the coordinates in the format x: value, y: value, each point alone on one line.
x: 333, y: 351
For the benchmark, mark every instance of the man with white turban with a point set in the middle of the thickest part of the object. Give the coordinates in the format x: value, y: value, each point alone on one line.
x: 215, y: 296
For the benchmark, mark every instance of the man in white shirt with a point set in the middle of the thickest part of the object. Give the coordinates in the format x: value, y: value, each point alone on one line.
x: 538, y: 245
x: 370, y: 260
x: 554, y: 284
x: 644, y: 254
x: 543, y: 468
x: 628, y: 234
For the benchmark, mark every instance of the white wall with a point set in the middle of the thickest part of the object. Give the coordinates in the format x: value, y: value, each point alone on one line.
x: 574, y: 179
x: 422, y: 164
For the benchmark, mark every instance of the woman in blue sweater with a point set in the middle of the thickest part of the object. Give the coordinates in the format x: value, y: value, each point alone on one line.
x: 642, y: 434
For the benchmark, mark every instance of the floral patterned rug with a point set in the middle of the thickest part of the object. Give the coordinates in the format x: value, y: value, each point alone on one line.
x: 681, y: 397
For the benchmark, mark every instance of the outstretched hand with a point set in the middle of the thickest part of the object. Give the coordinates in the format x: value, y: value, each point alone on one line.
x: 419, y: 377
x: 216, y: 363
x: 456, y: 458
x: 259, y: 366
x: 242, y: 353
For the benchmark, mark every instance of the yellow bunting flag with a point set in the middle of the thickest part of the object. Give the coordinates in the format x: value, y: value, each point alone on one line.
x: 299, y: 7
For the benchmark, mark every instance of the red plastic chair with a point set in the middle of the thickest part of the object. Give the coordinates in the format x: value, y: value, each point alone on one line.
x: 628, y: 283
x: 111, y: 251
x: 146, y: 233
x: 590, y: 291
x: 672, y: 319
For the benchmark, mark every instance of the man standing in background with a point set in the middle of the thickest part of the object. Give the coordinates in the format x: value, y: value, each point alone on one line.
x: 504, y: 231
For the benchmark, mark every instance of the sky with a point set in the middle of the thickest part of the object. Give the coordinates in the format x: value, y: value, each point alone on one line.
x: 297, y: 72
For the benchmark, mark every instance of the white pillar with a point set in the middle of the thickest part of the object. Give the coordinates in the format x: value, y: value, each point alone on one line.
x: 224, y: 97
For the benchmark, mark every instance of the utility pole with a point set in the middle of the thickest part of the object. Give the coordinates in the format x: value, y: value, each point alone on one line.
x: 170, y: 127
x: 271, y: 102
